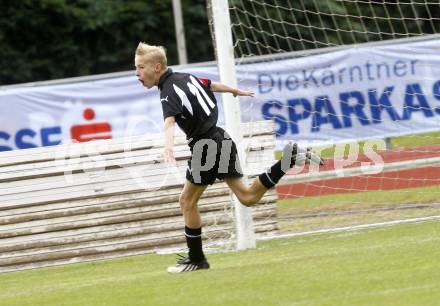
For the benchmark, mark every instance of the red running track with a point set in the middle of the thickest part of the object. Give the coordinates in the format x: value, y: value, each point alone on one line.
x: 408, y: 178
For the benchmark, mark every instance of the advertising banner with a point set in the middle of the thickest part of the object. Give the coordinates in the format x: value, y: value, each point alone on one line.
x: 354, y: 94
x: 349, y: 95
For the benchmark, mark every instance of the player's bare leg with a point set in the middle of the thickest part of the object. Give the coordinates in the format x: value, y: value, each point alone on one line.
x: 188, y: 200
x: 248, y: 195
x: 292, y: 155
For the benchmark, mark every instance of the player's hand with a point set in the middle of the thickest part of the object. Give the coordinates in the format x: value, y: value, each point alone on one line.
x: 168, y: 156
x: 239, y: 92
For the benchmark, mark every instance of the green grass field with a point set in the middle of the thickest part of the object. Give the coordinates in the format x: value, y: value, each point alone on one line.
x: 395, y: 265
x: 330, y: 211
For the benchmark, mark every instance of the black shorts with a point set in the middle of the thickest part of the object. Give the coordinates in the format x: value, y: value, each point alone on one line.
x: 213, y: 157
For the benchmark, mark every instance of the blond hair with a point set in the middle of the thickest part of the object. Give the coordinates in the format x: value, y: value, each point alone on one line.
x: 152, y: 53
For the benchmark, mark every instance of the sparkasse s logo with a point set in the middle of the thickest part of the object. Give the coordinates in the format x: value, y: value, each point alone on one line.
x: 28, y: 137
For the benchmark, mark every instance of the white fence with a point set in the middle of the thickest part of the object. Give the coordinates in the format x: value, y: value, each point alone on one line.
x: 113, y: 198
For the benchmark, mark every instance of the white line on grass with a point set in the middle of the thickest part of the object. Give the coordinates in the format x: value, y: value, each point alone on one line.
x: 351, y: 228
x: 217, y: 246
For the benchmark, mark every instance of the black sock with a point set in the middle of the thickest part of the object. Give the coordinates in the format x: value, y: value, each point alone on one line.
x: 194, y: 242
x: 271, y: 177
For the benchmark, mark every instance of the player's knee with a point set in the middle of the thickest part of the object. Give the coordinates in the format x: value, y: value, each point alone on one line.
x: 186, y: 203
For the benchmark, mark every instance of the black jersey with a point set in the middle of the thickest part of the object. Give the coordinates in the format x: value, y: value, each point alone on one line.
x: 190, y: 100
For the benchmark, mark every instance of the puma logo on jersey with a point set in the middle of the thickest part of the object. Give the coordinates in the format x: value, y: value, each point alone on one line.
x: 164, y: 99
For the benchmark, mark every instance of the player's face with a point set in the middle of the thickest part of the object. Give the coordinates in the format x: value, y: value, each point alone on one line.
x: 146, y: 72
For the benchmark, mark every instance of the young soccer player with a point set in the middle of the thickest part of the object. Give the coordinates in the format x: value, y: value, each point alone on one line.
x: 189, y: 101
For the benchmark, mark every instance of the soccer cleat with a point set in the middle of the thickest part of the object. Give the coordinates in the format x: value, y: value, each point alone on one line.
x: 314, y: 158
x: 291, y: 157
x: 184, y: 264
x: 299, y: 157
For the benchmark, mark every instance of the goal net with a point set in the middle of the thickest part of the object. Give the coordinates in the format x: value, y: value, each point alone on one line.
x: 357, y: 80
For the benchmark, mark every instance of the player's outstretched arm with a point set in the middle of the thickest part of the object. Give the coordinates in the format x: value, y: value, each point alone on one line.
x: 219, y: 87
x: 168, y: 153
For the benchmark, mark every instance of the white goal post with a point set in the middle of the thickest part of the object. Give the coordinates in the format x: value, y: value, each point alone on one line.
x: 226, y: 65
x: 336, y: 75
